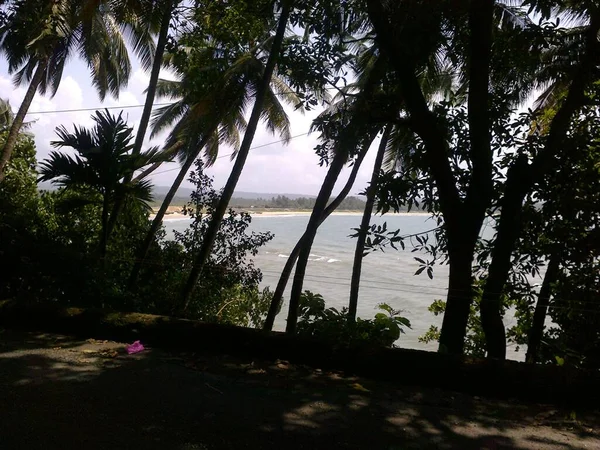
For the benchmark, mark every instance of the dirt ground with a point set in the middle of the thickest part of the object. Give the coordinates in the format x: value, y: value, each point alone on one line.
x: 57, y: 392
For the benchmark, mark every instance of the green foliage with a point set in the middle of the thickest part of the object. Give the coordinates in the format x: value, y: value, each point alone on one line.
x: 332, y: 325
x: 228, y: 290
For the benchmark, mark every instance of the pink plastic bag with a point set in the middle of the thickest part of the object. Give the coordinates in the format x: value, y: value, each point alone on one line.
x: 136, y: 347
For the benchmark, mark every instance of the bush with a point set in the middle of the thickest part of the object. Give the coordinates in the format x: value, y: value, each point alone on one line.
x: 333, y: 326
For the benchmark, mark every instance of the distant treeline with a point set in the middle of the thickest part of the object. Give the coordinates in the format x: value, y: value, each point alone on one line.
x: 276, y: 202
x: 283, y: 202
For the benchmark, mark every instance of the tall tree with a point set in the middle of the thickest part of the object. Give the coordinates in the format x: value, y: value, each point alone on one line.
x: 148, y: 10
x: 522, y: 176
x: 346, y: 129
x: 38, y: 38
x: 242, y: 155
x: 209, y: 110
x: 480, y: 39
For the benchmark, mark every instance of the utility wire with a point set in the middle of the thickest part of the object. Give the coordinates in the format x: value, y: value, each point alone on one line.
x: 97, y: 108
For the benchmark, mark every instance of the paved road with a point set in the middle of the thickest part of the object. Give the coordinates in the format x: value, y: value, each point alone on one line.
x: 61, y: 393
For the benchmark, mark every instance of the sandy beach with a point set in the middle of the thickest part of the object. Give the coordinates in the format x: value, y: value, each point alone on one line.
x: 283, y: 213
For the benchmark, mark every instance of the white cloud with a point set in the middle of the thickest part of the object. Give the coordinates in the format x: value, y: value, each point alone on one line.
x: 274, y: 168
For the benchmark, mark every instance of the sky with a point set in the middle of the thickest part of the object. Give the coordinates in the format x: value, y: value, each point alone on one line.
x: 276, y: 168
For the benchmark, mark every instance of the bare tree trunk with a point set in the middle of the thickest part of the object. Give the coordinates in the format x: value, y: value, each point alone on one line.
x: 309, y: 236
x: 291, y: 261
x: 217, y: 216
x: 13, y: 134
x: 534, y: 339
x: 364, y: 225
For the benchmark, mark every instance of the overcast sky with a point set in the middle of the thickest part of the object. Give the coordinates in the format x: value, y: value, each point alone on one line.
x: 275, y: 168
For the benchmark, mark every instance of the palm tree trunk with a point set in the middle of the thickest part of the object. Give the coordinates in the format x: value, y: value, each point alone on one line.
x: 217, y: 216
x: 536, y: 332
x: 154, y: 73
x: 13, y: 134
x: 156, y: 223
x: 309, y: 236
x: 145, y: 119
x: 291, y: 261
x: 364, y: 225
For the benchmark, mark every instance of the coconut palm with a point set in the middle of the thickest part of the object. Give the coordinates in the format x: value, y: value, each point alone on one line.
x: 209, y: 111
x: 259, y: 110
x: 157, y: 14
x: 39, y: 37
x: 275, y: 306
x: 103, y: 161
x: 349, y: 126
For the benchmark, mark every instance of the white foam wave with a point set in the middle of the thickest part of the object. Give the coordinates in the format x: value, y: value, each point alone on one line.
x: 283, y: 256
x: 332, y: 260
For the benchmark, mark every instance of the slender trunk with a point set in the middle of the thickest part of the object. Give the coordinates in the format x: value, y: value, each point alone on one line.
x: 364, y: 225
x: 156, y: 223
x: 534, y: 339
x: 309, y: 236
x: 13, y: 134
x: 509, y: 228
x: 217, y: 216
x: 145, y: 119
x: 154, y: 73
x: 291, y: 261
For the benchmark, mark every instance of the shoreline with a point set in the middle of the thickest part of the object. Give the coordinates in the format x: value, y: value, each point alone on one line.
x: 291, y: 213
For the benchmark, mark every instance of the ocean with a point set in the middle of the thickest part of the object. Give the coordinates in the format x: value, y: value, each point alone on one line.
x: 387, y: 277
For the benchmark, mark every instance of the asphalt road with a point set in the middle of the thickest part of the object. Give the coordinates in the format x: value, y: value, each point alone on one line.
x: 60, y: 393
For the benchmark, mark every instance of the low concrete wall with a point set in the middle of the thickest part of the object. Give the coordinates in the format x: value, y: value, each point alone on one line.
x: 509, y: 379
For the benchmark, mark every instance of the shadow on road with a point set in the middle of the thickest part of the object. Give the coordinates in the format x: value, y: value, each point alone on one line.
x: 94, y: 396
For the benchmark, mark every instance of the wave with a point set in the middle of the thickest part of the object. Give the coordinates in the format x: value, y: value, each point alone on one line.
x: 177, y: 219
x: 281, y: 255
x: 332, y: 260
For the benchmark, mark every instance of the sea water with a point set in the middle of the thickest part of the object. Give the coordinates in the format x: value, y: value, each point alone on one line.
x: 387, y: 277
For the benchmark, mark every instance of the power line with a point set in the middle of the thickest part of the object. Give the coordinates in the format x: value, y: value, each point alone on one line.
x: 100, y: 107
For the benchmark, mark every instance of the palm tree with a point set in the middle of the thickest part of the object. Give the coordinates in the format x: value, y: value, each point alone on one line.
x: 208, y: 112
x: 348, y: 126
x: 257, y: 112
x: 103, y: 161
x: 38, y: 38
x: 154, y: 13
x: 291, y: 261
